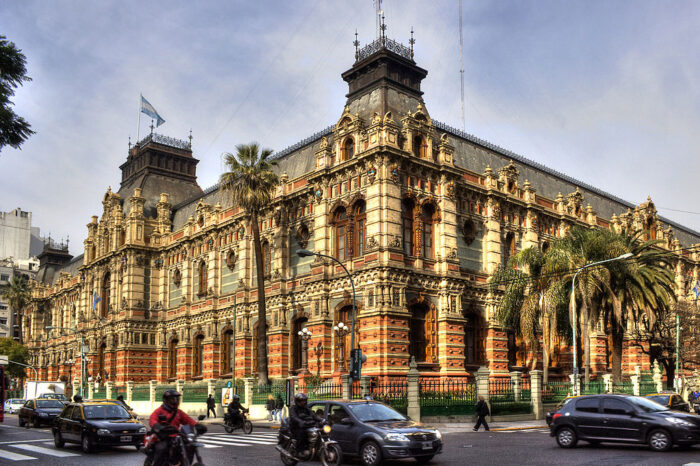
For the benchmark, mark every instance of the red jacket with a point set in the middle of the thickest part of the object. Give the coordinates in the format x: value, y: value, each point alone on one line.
x: 179, y: 419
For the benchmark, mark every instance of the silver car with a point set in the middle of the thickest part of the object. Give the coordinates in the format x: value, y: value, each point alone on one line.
x: 12, y: 405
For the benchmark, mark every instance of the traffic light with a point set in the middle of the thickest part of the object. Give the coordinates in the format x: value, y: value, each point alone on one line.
x: 356, y: 361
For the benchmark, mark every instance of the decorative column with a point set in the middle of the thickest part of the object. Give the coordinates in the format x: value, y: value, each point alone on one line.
x: 413, y: 409
x: 515, y: 383
x: 536, y: 393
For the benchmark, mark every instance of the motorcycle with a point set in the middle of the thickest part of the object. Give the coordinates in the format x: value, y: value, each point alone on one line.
x: 320, y: 444
x: 183, y: 448
x: 244, y: 424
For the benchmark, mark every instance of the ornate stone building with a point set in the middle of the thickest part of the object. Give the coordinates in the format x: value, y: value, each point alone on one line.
x: 420, y: 213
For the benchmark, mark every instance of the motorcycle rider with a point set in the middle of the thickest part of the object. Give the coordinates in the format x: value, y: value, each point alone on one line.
x: 300, y: 419
x: 165, y: 422
x: 234, y: 410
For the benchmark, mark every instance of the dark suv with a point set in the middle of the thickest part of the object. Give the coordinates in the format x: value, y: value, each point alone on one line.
x: 623, y: 419
x: 373, y: 431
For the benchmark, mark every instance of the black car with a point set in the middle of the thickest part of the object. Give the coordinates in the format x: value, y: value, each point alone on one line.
x: 671, y: 400
x: 37, y: 412
x: 623, y: 419
x: 97, y: 423
x: 374, y: 431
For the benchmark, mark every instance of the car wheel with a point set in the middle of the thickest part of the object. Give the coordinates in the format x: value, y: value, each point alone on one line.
x: 370, y: 454
x: 58, y: 440
x: 566, y: 437
x: 86, y: 444
x: 660, y: 440
x: 424, y: 459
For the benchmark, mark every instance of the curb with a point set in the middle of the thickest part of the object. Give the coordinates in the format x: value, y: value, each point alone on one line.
x: 504, y: 429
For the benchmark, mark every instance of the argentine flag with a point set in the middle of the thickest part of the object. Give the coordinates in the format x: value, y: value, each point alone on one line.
x: 149, y: 110
x: 96, y: 298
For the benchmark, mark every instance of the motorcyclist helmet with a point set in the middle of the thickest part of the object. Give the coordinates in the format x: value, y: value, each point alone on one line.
x: 300, y: 399
x: 236, y: 397
x: 171, y: 398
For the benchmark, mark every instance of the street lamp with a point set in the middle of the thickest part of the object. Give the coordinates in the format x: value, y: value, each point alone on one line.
x: 573, y: 304
x: 70, y: 362
x: 305, y: 335
x: 51, y: 327
x: 307, y: 253
x: 341, y: 330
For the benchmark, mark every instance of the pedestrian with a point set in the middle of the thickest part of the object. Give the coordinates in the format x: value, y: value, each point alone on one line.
x: 211, y: 405
x: 120, y: 399
x: 279, y: 405
x: 482, y: 410
x: 77, y: 399
x: 270, y: 405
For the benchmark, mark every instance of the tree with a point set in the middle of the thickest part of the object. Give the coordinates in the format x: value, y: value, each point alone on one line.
x: 250, y: 182
x: 17, y: 294
x: 532, y: 300
x: 14, y: 130
x: 15, y: 352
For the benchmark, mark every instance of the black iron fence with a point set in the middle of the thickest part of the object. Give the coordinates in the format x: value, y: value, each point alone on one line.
x: 446, y: 397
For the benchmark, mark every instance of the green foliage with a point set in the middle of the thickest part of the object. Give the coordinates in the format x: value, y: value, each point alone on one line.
x: 17, y: 294
x: 15, y: 352
x: 14, y: 130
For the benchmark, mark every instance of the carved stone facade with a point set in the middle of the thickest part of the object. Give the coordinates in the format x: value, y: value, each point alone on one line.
x: 166, y: 288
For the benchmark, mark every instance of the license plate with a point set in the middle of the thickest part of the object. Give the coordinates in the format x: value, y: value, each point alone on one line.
x: 427, y: 445
x: 125, y: 438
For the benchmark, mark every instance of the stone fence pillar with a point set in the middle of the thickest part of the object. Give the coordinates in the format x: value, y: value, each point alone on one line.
x: 515, y: 384
x: 364, y: 385
x: 345, y: 383
x: 152, y: 391
x: 636, y: 389
x: 575, y: 381
x: 109, y: 388
x: 482, y: 385
x: 211, y: 387
x: 536, y: 393
x: 607, y: 383
x: 180, y: 386
x: 91, y: 390
x: 657, y: 377
x: 413, y: 391
x: 248, y: 390
x: 129, y: 391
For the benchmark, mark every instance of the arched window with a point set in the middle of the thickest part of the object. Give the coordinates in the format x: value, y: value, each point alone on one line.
x: 341, y: 233
x: 474, y: 338
x: 226, y: 352
x: 267, y: 259
x: 509, y: 248
x: 517, y: 351
x: 348, y: 149
x: 104, y: 309
x: 299, y: 324
x: 428, y: 237
x: 202, y: 278
x: 407, y: 212
x: 359, y: 230
x: 423, y: 333
x: 172, y: 358
x: 198, y: 355
x: 419, y: 146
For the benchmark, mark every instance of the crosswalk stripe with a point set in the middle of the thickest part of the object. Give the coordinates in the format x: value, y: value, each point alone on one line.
x: 236, y: 442
x: 256, y: 436
x: 8, y: 455
x: 45, y: 451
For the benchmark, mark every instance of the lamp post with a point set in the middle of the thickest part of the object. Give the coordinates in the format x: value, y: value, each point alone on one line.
x: 305, y: 335
x: 573, y: 305
x: 307, y: 253
x: 51, y: 327
x: 341, y: 330
x: 70, y: 362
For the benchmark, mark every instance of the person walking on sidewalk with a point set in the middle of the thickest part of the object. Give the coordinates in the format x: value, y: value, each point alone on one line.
x: 270, y: 405
x: 482, y: 410
x: 211, y: 406
x: 279, y: 405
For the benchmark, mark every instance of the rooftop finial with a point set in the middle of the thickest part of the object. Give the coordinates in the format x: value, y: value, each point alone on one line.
x: 190, y: 137
x: 383, y: 28
x: 152, y: 127
x: 356, y: 43
x: 129, y: 142
x: 412, y: 41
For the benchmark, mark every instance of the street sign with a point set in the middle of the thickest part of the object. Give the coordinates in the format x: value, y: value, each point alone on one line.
x: 228, y: 384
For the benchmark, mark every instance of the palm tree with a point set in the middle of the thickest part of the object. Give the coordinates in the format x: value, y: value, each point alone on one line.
x: 532, y: 299
x: 250, y: 182
x: 638, y: 289
x: 17, y: 294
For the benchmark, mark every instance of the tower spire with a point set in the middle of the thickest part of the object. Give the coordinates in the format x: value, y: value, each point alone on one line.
x: 356, y: 43
x: 412, y: 41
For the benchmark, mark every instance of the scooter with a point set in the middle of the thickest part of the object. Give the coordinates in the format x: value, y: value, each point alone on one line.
x: 320, y: 444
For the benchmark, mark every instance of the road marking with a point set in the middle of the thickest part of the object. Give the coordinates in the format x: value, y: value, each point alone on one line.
x: 45, y: 451
x: 25, y: 441
x: 8, y: 455
x: 234, y: 442
x: 253, y: 436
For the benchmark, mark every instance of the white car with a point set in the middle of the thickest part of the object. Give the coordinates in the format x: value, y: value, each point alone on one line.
x: 12, y: 405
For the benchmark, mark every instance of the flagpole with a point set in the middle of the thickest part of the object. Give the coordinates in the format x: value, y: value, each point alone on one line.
x: 138, y: 129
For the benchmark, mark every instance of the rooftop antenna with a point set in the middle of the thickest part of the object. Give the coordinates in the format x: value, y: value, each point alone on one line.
x: 461, y: 64
x: 377, y: 22
x: 357, y: 45
x: 190, y: 138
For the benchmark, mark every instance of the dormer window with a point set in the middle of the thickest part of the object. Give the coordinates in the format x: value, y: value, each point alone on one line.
x: 419, y: 146
x: 348, y: 149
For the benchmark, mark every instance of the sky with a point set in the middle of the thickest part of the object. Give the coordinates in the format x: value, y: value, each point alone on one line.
x: 604, y: 91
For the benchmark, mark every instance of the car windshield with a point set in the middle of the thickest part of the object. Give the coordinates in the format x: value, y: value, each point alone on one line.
x: 49, y: 404
x: 563, y: 403
x: 647, y: 404
x: 661, y: 399
x: 374, y: 412
x: 105, y: 412
x: 18, y: 402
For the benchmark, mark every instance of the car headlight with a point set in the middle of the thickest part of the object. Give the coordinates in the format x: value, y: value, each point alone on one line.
x: 396, y: 437
x: 438, y: 434
x: 679, y: 422
x: 327, y: 429
x: 142, y: 430
x: 103, y: 432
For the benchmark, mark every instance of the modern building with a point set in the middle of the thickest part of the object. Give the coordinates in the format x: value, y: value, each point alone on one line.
x: 25, y: 268
x: 18, y: 238
x: 420, y: 213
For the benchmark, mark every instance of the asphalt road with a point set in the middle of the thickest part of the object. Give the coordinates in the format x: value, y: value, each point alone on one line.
x: 35, y: 446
